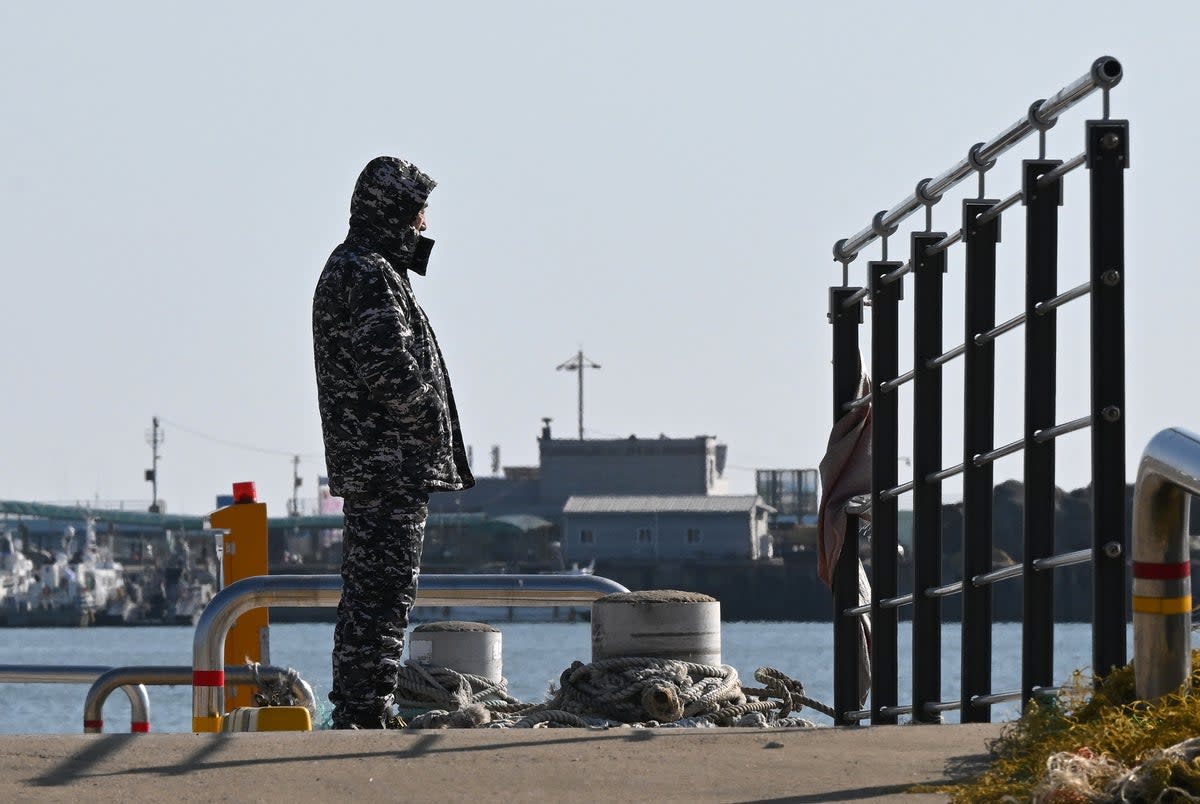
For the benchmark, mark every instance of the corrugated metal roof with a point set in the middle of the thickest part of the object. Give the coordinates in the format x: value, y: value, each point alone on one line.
x: 663, y: 504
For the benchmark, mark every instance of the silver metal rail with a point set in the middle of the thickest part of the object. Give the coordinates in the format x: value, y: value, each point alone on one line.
x: 946, y: 357
x: 943, y: 244
x: 896, y: 602
x: 996, y: 332
x: 139, y: 699
x: 937, y: 707
x: 1162, y: 586
x: 896, y: 382
x: 896, y: 491
x: 1062, y: 170
x: 1041, y: 308
x: 1051, y: 433
x: 895, y: 276
x: 1104, y: 74
x: 857, y: 403
x: 1013, y: 571
x: 895, y: 711
x: 995, y: 698
x: 943, y: 474
x: 999, y: 209
x: 1063, y: 560
x: 1012, y: 695
x: 125, y: 677
x: 208, y: 644
x: 945, y: 590
x: 999, y: 452
x: 997, y: 575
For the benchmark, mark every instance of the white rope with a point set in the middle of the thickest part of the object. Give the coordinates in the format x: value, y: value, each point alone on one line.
x: 634, y: 691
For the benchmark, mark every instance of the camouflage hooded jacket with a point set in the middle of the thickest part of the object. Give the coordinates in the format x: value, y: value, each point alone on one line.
x: 387, y: 411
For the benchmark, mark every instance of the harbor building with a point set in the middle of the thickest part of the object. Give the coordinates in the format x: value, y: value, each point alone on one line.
x: 665, y: 527
x: 569, y: 467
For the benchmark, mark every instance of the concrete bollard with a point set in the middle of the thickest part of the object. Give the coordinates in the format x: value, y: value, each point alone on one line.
x: 469, y: 648
x: 663, y: 624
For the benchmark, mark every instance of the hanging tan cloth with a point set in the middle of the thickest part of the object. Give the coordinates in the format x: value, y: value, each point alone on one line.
x: 845, y: 473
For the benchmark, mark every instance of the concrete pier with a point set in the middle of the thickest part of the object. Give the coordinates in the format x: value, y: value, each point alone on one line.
x: 875, y: 764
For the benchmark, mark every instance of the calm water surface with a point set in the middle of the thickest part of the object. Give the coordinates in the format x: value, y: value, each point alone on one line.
x: 535, y: 654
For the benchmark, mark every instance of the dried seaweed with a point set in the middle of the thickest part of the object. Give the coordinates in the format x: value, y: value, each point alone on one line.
x: 1095, y: 743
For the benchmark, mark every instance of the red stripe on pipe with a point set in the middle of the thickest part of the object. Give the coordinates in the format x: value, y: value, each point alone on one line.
x: 1162, y: 572
x: 141, y: 726
x: 93, y: 724
x: 208, y: 678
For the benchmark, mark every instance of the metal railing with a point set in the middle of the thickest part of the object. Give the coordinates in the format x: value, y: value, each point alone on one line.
x: 132, y: 681
x: 1106, y: 158
x: 208, y: 644
x: 171, y: 676
x: 139, y: 699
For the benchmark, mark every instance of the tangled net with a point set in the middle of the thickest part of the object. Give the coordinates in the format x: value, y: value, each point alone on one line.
x: 1096, y: 744
x: 639, y: 692
x: 275, y: 689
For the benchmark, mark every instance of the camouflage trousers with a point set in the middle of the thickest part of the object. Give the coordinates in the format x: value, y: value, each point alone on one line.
x: 381, y: 559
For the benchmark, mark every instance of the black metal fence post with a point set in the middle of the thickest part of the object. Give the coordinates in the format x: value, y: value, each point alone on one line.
x: 885, y: 449
x: 847, y: 374
x: 979, y: 390
x: 927, y: 460
x: 1107, y: 158
x: 1041, y: 284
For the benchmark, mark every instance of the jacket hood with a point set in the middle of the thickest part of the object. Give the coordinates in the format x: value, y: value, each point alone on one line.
x: 387, y: 197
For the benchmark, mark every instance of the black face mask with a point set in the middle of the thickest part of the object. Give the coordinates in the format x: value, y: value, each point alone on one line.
x: 420, y: 258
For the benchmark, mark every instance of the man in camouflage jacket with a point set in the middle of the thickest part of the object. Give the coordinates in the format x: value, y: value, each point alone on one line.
x: 390, y: 426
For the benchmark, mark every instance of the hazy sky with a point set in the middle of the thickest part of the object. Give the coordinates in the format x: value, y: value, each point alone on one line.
x: 659, y: 183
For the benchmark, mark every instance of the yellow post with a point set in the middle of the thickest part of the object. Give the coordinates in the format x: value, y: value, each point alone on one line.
x: 244, y: 555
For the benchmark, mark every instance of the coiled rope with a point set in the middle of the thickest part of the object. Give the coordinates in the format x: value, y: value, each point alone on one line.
x: 627, y: 691
x: 446, y: 698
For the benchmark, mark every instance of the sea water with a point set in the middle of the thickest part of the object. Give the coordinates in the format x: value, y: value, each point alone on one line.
x: 535, y: 655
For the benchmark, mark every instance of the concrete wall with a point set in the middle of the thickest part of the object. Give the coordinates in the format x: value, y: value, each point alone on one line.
x: 629, y: 466
x: 617, y: 536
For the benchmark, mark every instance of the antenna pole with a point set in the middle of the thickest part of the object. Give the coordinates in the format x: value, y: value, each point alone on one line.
x: 577, y: 364
x: 154, y: 438
x: 296, y: 482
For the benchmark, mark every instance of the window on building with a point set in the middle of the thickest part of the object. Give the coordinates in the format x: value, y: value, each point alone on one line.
x: 693, y: 536
x: 586, y: 537
x: 645, y: 536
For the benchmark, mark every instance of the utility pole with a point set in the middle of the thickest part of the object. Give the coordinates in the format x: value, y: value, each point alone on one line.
x: 155, y: 438
x: 297, y: 481
x: 577, y: 364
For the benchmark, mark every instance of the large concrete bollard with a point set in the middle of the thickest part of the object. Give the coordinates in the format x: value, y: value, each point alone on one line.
x: 663, y: 624
x: 469, y: 648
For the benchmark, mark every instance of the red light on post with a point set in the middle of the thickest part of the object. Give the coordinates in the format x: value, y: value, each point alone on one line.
x: 244, y: 492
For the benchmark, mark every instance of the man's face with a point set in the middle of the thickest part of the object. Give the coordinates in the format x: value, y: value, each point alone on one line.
x: 419, y: 222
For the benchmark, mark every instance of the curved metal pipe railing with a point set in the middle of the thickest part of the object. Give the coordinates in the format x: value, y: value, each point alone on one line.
x: 1168, y: 474
x: 208, y: 644
x: 139, y: 699
x: 1104, y: 74
x: 124, y: 677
